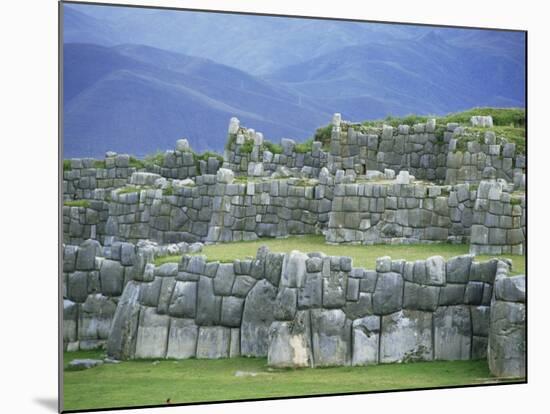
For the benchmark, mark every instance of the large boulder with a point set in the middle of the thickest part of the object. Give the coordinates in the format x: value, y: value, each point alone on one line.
x: 182, y: 339
x: 406, y: 336
x: 95, y: 317
x: 452, y: 333
x: 331, y: 337
x: 213, y: 342
x: 388, y: 294
x: 366, y: 338
x: 152, y: 334
x: 290, y: 343
x: 122, y: 340
x: 258, y: 315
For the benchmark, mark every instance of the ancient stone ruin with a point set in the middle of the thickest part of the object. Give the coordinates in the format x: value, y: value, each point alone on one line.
x: 411, y: 184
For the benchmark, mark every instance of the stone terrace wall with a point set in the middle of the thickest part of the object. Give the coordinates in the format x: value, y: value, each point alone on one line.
x: 307, y: 310
x: 246, y: 154
x: 82, y: 223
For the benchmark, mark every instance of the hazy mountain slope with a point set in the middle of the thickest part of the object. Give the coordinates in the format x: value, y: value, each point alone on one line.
x: 138, y: 99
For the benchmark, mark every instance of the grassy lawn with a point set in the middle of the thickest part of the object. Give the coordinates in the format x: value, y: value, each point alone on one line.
x: 144, y: 383
x: 363, y: 256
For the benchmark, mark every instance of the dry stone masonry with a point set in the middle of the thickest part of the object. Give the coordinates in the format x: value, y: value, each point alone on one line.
x: 409, y: 184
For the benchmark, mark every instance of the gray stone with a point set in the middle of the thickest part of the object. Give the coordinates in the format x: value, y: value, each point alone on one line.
x: 183, y: 303
x: 458, y: 269
x: 406, y: 336
x: 359, y: 308
x: 70, y: 318
x: 152, y: 334
x: 223, y: 282
x: 257, y: 318
x: 167, y: 270
x: 82, y: 364
x: 474, y: 293
x: 452, y: 333
x: 242, y: 285
x: 507, y: 342
x: 77, y: 286
x: 273, y: 267
x: 383, y: 264
x: 480, y: 320
x: 294, y: 269
x: 331, y: 337
x: 285, y: 304
x: 150, y: 292
x: 232, y: 309
x: 95, y: 317
x: 182, y: 145
x: 420, y: 297
x: 86, y: 254
x: 483, y: 272
x: 208, y: 305
x: 165, y: 295
x: 310, y: 296
x: 479, y: 347
x: 213, y: 342
x: 388, y: 295
x: 122, y: 340
x: 225, y: 176
x: 290, y: 343
x: 366, y: 337
x: 452, y: 294
x: 112, y: 278
x: 511, y: 288
x: 182, y: 338
x: 334, y: 289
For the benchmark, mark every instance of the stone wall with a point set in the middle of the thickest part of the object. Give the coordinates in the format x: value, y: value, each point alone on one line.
x: 297, y: 309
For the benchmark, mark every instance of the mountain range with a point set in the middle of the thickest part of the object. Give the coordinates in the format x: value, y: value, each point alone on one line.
x: 135, y: 80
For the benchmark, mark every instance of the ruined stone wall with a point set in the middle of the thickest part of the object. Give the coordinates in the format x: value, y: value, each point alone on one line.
x: 297, y: 309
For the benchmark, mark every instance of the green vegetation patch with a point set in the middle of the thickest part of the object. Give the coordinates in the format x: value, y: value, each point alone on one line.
x: 77, y: 203
x: 247, y: 146
x: 100, y: 164
x: 67, y: 165
x: 137, y: 163
x: 140, y: 382
x: 273, y: 148
x: 323, y: 135
x: 363, y: 256
x: 304, y: 147
x: 154, y: 159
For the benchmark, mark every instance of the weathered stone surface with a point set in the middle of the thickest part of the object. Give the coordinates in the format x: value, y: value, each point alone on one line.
x: 452, y: 333
x: 483, y: 272
x: 334, y: 290
x: 388, y: 295
x: 182, y: 339
x: 213, y: 342
x: 331, y: 337
x: 420, y: 297
x: 95, y: 317
x: 366, y: 337
x: 225, y: 176
x: 510, y: 288
x: 310, y: 296
x: 243, y: 284
x: 479, y: 347
x: 87, y: 252
x: 232, y: 309
x: 294, y: 269
x: 507, y: 342
x: 458, y: 269
x: 70, y: 317
x: 452, y: 294
x: 223, y: 282
x: 481, y: 316
x: 258, y: 315
x: 290, y: 343
x: 122, y: 339
x: 406, y: 336
x: 285, y: 304
x: 273, y: 267
x: 208, y: 304
x: 165, y: 296
x: 82, y: 364
x: 152, y: 334
x: 359, y: 308
x: 474, y: 293
x: 77, y: 286
x: 183, y: 303
x: 150, y: 292
x: 112, y: 278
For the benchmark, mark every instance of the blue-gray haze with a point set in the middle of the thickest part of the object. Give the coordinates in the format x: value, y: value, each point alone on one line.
x: 136, y: 80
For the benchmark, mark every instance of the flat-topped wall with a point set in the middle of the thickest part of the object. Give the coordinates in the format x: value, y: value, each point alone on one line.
x: 297, y: 309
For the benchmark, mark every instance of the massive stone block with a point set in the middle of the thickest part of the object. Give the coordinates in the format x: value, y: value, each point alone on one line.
x: 290, y: 342
x: 112, y: 278
x: 452, y: 333
x: 70, y: 317
x: 406, y: 336
x: 182, y: 339
x: 152, y: 334
x: 458, y: 269
x: 213, y: 342
x: 334, y: 289
x: 331, y: 337
x: 184, y: 300
x: 208, y: 304
x: 388, y: 295
x: 95, y: 317
x: 232, y: 309
x: 223, y: 282
x: 122, y: 339
x: 310, y: 296
x: 294, y: 269
x: 420, y: 297
x: 366, y: 337
x: 258, y: 315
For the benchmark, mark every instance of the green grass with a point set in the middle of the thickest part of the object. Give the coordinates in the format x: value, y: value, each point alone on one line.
x: 247, y: 146
x: 67, y: 165
x: 363, y: 256
x: 137, y: 163
x: 273, y: 148
x: 304, y: 147
x: 154, y: 159
x: 134, y: 383
x: 77, y: 203
x: 100, y: 164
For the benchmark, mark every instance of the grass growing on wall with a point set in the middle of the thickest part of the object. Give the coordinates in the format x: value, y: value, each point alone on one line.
x: 363, y: 256
x: 77, y: 203
x: 132, y: 383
